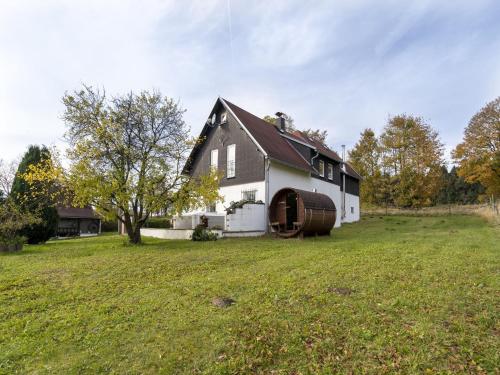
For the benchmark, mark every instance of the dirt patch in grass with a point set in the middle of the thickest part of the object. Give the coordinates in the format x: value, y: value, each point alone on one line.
x: 223, y: 301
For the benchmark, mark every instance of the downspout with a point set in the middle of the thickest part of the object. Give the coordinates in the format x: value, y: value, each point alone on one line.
x: 343, y: 182
x: 267, y: 165
x: 314, y: 157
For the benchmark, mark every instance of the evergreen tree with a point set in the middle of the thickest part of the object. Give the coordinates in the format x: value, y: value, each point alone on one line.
x: 42, y: 207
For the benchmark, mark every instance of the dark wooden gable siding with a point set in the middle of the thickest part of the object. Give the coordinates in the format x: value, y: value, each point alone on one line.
x: 352, y: 185
x: 250, y: 164
x: 336, y: 169
x: 305, y: 151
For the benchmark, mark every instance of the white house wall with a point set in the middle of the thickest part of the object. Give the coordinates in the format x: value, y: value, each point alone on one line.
x: 250, y: 217
x: 351, y: 201
x: 281, y: 176
x: 233, y: 194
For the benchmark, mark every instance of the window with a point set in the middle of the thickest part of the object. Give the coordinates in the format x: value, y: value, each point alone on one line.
x: 248, y: 195
x: 322, y: 168
x: 211, y: 208
x: 352, y: 210
x: 330, y: 171
x: 223, y: 118
x: 214, y: 159
x: 231, y: 161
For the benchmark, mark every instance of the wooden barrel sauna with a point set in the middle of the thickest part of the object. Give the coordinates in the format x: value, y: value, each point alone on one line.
x: 295, y: 212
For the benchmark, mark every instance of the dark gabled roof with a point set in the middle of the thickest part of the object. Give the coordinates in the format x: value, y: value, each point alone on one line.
x: 269, y: 138
x: 320, y: 147
x: 324, y: 150
x: 351, y: 172
x: 272, y: 141
x: 76, y: 213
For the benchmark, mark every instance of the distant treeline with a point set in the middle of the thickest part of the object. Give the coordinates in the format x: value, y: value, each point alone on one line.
x: 404, y: 166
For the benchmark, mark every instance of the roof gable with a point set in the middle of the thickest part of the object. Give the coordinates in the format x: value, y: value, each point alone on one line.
x: 268, y: 137
x: 270, y: 140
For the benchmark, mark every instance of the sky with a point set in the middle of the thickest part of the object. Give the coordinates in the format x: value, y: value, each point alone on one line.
x: 338, y: 65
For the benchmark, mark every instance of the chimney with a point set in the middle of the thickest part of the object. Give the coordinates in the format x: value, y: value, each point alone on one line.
x: 280, y: 121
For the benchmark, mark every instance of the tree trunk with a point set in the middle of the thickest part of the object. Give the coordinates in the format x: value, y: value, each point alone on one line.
x: 133, y: 231
x: 136, y: 236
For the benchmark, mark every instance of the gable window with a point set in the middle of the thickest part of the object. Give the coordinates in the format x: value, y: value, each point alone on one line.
x: 322, y: 168
x: 330, y: 171
x: 248, y: 195
x: 214, y: 159
x: 223, y: 118
x: 231, y: 161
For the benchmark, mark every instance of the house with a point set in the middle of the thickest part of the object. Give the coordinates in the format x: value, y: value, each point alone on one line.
x: 74, y: 221
x: 257, y: 160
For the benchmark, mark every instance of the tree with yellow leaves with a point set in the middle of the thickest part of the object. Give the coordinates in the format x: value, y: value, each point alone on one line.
x: 478, y: 156
x: 126, y: 158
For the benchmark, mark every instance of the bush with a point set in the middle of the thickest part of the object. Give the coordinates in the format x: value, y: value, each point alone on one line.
x: 201, y: 233
x: 12, y: 221
x: 109, y: 226
x: 45, y: 229
x: 158, y: 222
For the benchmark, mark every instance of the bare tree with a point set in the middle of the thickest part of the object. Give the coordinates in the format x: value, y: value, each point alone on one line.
x: 7, y: 175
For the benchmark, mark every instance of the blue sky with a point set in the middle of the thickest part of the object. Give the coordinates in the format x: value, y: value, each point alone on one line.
x: 335, y: 65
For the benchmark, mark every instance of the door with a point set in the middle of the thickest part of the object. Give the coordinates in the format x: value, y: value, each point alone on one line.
x: 291, y: 210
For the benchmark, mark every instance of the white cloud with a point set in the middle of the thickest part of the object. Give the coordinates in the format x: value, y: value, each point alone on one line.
x: 341, y: 65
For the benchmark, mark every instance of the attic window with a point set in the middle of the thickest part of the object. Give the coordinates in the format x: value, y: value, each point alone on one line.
x: 322, y: 168
x: 223, y: 118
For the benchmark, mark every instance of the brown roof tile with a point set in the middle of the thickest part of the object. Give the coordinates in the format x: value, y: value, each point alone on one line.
x: 269, y: 138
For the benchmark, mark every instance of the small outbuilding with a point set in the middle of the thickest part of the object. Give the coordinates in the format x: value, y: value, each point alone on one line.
x: 74, y: 221
x: 294, y: 212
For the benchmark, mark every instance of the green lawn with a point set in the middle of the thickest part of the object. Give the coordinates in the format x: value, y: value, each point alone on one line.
x: 425, y: 298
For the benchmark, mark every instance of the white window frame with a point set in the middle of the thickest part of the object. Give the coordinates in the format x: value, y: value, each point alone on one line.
x: 330, y: 171
x: 321, y: 168
x: 214, y: 159
x: 231, y: 162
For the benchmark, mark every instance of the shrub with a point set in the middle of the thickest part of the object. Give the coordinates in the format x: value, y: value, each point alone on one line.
x: 12, y: 221
x: 158, y: 222
x: 43, y: 230
x: 201, y: 233
x: 109, y: 226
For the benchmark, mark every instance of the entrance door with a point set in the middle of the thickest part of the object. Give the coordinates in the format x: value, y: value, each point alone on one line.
x: 291, y: 210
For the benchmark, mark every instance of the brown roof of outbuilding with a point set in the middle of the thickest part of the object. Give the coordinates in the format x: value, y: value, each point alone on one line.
x: 76, y: 213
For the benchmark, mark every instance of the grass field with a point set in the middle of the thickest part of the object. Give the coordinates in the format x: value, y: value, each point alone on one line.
x: 388, y: 294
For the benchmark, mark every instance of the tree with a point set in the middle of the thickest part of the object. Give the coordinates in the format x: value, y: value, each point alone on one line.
x: 43, y: 206
x: 365, y: 157
x: 127, y: 155
x: 316, y: 135
x: 455, y: 190
x: 7, y: 175
x: 13, y: 221
x: 478, y: 156
x: 412, y: 156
